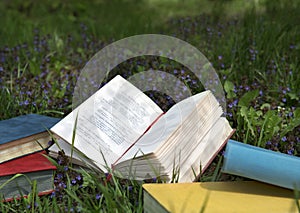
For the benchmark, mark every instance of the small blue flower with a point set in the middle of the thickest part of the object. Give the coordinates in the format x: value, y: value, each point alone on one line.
x: 59, y: 175
x: 60, y: 162
x: 292, y: 46
x: 98, y: 196
x: 235, y: 102
x: 50, y: 143
x: 62, y: 185
x: 229, y: 114
x: 69, y: 210
x: 78, y: 177
x: 284, y: 139
x: 52, y: 194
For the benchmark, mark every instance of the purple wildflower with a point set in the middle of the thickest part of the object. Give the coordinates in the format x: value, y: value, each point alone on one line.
x: 98, y: 196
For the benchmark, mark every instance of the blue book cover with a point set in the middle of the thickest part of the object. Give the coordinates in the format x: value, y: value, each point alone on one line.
x: 24, y: 126
x: 261, y: 164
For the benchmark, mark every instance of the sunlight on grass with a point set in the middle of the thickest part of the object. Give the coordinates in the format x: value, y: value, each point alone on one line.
x: 104, y: 19
x: 253, y: 45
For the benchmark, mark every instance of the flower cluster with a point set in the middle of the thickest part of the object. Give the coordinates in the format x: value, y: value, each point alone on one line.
x: 64, y: 175
x: 40, y: 76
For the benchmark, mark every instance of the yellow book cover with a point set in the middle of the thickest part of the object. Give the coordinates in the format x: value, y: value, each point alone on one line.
x: 237, y: 196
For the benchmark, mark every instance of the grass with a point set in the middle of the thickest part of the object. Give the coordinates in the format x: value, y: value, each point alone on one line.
x: 254, y: 47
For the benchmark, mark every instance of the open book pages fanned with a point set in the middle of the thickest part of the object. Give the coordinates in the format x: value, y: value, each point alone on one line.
x: 120, y: 126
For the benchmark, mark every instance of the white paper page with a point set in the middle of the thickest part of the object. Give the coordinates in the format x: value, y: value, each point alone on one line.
x: 165, y: 126
x: 109, y: 121
x: 205, y: 150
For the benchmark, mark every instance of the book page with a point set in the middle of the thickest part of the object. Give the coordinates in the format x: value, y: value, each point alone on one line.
x: 206, y: 150
x: 109, y: 121
x: 165, y: 126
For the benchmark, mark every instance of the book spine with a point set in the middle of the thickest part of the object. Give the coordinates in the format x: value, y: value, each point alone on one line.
x: 262, y: 165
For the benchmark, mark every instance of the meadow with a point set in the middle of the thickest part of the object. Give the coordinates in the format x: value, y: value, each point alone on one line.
x: 254, y: 47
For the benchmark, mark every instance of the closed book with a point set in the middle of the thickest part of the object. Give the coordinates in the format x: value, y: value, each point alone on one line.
x: 212, y: 197
x: 32, y: 167
x: 24, y: 134
x: 261, y: 164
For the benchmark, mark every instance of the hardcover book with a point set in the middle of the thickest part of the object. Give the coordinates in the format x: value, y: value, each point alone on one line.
x: 24, y: 134
x: 32, y: 167
x: 122, y: 128
x: 261, y: 164
x: 237, y: 196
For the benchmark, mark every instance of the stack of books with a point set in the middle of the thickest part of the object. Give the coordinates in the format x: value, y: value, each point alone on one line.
x: 23, y: 140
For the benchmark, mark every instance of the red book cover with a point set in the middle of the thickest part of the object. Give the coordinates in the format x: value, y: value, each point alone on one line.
x: 29, y: 163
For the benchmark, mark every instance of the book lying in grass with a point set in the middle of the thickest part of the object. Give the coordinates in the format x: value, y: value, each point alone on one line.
x: 120, y: 126
x: 17, y: 176
x: 237, y: 196
x: 24, y: 134
x: 261, y: 164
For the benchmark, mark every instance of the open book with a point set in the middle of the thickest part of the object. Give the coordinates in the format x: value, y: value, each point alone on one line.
x: 121, y: 127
